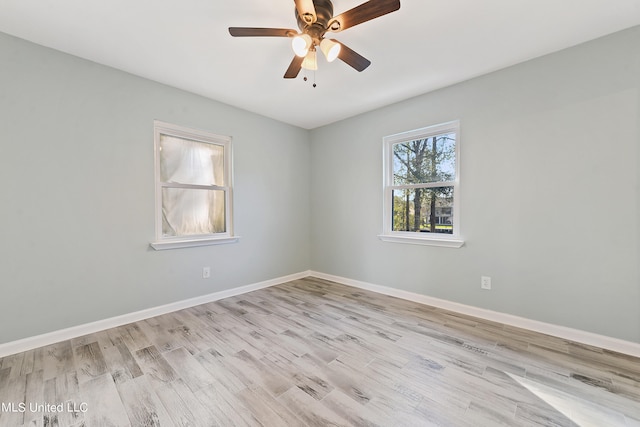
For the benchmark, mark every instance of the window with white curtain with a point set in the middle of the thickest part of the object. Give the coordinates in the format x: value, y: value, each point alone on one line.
x: 193, y: 187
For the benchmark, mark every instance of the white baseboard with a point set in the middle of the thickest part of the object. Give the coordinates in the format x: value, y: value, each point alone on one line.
x: 30, y: 343
x: 613, y: 344
x: 576, y: 335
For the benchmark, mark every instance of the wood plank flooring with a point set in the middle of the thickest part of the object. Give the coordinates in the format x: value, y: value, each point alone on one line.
x: 316, y: 353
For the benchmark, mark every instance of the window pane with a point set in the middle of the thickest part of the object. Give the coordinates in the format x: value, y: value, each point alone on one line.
x: 425, y: 160
x: 184, y: 161
x: 428, y: 210
x: 186, y: 212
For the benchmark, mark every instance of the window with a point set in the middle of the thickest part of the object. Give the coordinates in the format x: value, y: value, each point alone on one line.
x: 193, y: 188
x: 421, y: 186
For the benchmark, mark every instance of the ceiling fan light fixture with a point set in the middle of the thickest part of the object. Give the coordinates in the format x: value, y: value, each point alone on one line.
x: 301, y: 44
x: 310, y: 62
x: 330, y: 49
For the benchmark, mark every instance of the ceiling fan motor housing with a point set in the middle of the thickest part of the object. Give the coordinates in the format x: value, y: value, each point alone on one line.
x: 324, y: 13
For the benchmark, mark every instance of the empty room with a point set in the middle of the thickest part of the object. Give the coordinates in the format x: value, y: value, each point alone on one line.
x: 320, y: 213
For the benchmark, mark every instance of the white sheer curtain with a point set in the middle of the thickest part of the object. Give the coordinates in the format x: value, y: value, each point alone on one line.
x: 191, y: 211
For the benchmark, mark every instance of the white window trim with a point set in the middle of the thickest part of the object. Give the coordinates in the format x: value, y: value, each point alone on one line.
x: 164, y: 243
x: 388, y: 235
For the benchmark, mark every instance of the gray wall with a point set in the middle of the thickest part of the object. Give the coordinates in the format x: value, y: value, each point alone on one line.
x: 550, y: 191
x: 77, y: 213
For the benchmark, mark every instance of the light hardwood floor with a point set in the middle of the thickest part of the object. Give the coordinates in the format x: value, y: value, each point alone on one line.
x: 316, y: 353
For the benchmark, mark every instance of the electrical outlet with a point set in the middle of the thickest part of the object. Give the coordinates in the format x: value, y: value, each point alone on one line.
x: 206, y: 272
x: 485, y: 282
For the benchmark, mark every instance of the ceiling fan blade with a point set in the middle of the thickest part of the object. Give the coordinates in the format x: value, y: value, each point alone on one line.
x: 352, y: 58
x: 261, y: 32
x: 306, y: 11
x: 294, y: 68
x: 363, y: 13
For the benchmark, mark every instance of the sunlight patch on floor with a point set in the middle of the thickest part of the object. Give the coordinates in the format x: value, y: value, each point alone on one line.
x: 580, y: 411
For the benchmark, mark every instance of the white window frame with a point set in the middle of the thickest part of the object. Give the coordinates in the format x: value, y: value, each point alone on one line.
x: 432, y: 239
x: 162, y: 242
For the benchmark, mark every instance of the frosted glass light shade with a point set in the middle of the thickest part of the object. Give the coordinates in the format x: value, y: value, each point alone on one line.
x: 330, y: 49
x: 310, y: 62
x: 301, y: 44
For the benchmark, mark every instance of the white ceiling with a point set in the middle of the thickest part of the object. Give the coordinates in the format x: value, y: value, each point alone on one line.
x: 427, y: 44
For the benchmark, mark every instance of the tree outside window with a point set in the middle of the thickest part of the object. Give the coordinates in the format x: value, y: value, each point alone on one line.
x: 422, y: 182
x: 424, y: 161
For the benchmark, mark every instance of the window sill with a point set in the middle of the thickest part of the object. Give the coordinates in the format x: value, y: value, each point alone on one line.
x: 426, y: 241
x: 178, y: 244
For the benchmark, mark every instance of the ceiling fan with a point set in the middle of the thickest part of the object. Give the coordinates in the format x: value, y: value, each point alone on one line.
x: 315, y: 18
